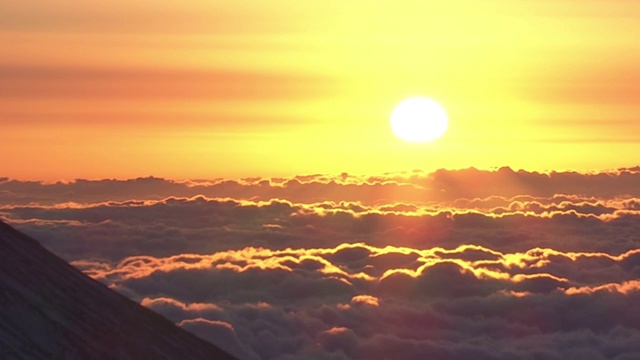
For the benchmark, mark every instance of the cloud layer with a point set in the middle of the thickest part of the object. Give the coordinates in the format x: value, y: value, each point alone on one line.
x: 359, y: 301
x: 450, y: 265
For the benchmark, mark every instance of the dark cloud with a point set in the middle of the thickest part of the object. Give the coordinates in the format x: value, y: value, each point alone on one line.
x: 408, y: 188
x: 316, y: 302
x: 220, y: 331
x: 495, y: 265
x: 114, y: 230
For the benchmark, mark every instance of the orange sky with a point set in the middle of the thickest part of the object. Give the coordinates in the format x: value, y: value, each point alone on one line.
x: 204, y: 89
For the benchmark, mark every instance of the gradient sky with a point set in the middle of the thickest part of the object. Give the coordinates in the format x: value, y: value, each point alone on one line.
x: 232, y: 89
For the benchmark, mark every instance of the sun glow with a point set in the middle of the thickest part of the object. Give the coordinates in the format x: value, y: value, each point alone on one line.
x: 418, y: 119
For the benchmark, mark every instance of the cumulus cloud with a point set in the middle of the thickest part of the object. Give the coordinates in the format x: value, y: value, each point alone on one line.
x: 113, y: 230
x: 221, y: 333
x: 452, y: 265
x: 411, y: 187
x: 333, y: 303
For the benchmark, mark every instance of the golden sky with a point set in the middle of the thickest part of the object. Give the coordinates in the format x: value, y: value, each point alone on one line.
x: 205, y: 89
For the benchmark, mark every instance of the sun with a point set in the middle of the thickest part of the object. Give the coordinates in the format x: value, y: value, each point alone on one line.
x: 418, y: 119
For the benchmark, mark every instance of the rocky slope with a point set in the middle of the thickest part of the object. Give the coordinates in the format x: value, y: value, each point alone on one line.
x: 50, y: 310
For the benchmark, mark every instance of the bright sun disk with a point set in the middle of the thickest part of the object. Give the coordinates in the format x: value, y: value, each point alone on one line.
x: 418, y: 119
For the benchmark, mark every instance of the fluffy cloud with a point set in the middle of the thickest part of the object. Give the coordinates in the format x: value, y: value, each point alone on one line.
x: 113, y: 230
x: 334, y: 303
x: 219, y: 332
x: 413, y: 187
x: 450, y: 265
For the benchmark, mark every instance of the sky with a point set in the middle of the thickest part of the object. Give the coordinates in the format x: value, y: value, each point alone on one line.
x: 232, y: 167
x: 216, y: 89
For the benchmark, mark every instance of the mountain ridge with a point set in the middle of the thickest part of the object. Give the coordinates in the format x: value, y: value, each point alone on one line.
x: 50, y: 310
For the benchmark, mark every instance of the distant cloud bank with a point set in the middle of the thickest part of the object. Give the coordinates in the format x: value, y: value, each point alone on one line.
x: 452, y: 264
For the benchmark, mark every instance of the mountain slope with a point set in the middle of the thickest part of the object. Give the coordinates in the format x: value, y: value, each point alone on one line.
x: 50, y: 310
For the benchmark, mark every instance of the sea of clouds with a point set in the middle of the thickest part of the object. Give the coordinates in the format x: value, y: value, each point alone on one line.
x: 465, y: 264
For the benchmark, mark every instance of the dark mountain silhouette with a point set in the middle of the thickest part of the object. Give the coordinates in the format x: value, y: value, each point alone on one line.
x: 50, y: 310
